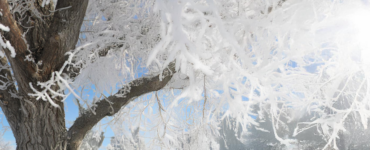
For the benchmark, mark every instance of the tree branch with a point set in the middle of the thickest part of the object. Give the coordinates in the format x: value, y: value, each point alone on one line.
x: 103, y: 108
x: 22, y: 69
x: 63, y: 34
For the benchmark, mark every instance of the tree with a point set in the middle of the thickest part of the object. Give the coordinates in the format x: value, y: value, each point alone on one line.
x: 125, y: 143
x: 262, y: 136
x: 201, y: 61
x: 5, y: 145
x: 229, y: 138
x: 92, y: 141
x: 35, y: 38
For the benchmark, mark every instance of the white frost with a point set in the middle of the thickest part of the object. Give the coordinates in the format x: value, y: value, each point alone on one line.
x: 6, y: 44
x: 10, y: 48
x: 4, y: 28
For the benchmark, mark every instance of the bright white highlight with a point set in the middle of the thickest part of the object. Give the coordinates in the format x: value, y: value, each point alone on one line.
x: 6, y: 45
x: 360, y: 20
x: 4, y: 28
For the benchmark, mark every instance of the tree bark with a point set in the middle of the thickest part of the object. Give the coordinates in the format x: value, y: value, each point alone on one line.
x: 41, y: 126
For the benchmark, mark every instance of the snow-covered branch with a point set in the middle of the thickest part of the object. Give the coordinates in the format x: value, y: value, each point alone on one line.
x: 116, y: 102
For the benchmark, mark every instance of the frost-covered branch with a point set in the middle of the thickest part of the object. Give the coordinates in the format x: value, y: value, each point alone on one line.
x: 104, y: 108
x: 17, y: 45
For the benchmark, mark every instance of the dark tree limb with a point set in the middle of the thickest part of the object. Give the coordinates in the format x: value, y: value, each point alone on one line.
x: 34, y: 23
x: 23, y: 70
x: 138, y: 87
x: 63, y: 34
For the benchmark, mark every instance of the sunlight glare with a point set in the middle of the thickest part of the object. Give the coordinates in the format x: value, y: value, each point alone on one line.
x: 361, y: 22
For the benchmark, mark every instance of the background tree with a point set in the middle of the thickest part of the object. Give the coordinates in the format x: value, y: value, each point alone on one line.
x: 92, y: 141
x: 125, y: 143
x: 175, y: 69
x: 229, y: 138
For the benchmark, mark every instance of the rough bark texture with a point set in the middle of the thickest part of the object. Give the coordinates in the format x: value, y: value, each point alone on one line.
x: 36, y: 124
x: 41, y: 126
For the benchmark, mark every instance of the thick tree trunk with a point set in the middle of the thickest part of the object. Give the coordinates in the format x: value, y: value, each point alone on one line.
x: 36, y: 124
x: 41, y: 126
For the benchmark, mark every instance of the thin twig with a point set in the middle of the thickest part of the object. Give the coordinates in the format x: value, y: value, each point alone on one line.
x: 159, y: 102
x: 160, y: 107
x: 205, y: 95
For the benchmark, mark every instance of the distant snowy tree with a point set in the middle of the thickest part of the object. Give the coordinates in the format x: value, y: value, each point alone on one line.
x: 92, y: 141
x: 229, y: 138
x: 5, y: 145
x: 127, y: 143
x: 262, y: 136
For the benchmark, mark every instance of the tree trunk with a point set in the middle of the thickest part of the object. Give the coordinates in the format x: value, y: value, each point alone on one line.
x: 40, y: 127
x: 36, y: 124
